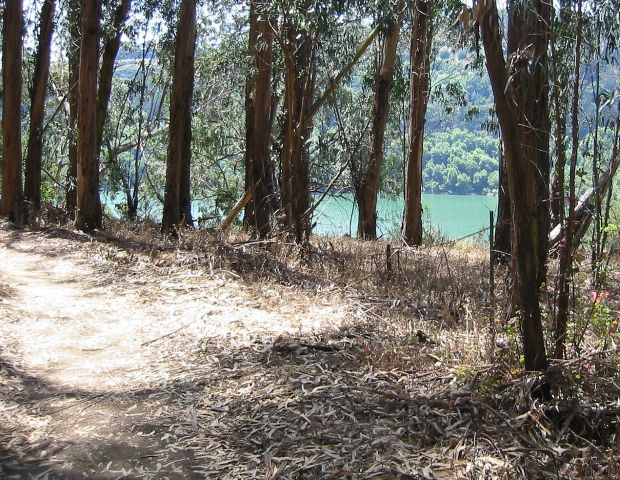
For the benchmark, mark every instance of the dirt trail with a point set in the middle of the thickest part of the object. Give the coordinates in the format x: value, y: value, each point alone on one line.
x: 100, y: 361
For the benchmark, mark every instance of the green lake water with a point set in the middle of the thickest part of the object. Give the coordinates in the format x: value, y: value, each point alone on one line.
x: 452, y: 216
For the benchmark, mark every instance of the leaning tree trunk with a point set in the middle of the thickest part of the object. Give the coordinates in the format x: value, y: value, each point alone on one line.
x: 32, y: 185
x: 12, y: 43
x: 259, y: 100
x: 88, y: 215
x: 177, y: 205
x: 520, y: 92
x: 420, y: 78
x: 110, y: 50
x: 75, y: 36
x: 585, y: 206
x: 369, y: 186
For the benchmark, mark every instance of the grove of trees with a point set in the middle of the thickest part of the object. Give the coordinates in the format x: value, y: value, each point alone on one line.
x: 267, y: 104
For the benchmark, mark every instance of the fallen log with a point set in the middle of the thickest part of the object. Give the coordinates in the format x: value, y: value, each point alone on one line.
x: 235, y: 211
x: 584, y: 211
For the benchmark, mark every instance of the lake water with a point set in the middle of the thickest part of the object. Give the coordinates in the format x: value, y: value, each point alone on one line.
x: 453, y: 216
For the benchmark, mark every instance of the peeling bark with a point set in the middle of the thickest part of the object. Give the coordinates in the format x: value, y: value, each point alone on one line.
x: 88, y: 216
x: 520, y: 90
x: 12, y: 43
x: 300, y: 81
x: 260, y: 176
x: 369, y: 185
x: 177, y: 203
x: 421, y: 42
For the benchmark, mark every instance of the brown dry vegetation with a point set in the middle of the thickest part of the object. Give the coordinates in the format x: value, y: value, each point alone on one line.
x: 220, y: 357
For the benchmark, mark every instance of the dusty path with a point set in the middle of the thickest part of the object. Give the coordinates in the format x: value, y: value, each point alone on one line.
x: 101, y: 363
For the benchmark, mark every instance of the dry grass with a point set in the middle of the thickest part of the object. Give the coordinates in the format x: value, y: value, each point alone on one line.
x: 442, y: 289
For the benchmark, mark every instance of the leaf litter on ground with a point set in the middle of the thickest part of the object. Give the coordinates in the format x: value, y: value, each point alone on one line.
x: 225, y: 374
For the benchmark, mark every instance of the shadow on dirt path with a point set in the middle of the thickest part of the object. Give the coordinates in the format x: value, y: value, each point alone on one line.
x: 99, y: 376
x: 79, y: 395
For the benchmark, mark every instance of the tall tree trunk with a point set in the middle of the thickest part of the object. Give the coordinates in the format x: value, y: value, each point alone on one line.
x: 529, y: 30
x: 369, y: 186
x: 12, y: 43
x: 298, y: 51
x: 503, y: 226
x: 420, y: 78
x: 177, y: 204
x: 88, y: 215
x: 595, y: 245
x: 110, y: 50
x: 250, y: 86
x: 75, y: 36
x: 32, y: 186
x: 300, y: 80
x: 520, y: 92
x: 259, y: 99
x: 566, y: 251
x: 559, y: 100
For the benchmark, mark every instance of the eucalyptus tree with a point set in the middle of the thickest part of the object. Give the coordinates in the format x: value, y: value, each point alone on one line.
x: 89, y: 214
x: 12, y: 43
x: 520, y: 87
x: 112, y: 31
x: 566, y: 252
x: 301, y: 29
x: 111, y: 46
x: 73, y: 54
x: 38, y: 96
x: 298, y: 45
x: 259, y: 119
x: 561, y: 47
x: 419, y: 84
x: 177, y: 203
x: 384, y: 77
